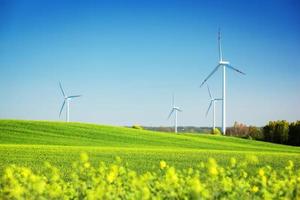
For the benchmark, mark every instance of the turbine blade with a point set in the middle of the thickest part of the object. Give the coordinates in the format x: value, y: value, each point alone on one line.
x: 62, y: 107
x: 173, y: 100
x: 74, y: 96
x: 230, y: 67
x: 170, y: 113
x: 178, y: 109
x: 216, y: 68
x: 209, y: 92
x: 62, y: 91
x: 208, y: 109
x: 219, y: 44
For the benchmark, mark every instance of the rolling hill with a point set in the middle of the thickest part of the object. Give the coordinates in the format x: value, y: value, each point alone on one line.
x: 31, y: 143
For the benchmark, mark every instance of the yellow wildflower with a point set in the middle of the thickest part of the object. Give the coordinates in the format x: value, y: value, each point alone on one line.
x: 261, y: 172
x: 84, y: 157
x: 162, y: 164
x: 212, y: 168
x: 171, y: 175
x: 254, y: 189
x: 196, y: 185
x: 17, y: 192
x: 111, y: 177
x: 87, y: 165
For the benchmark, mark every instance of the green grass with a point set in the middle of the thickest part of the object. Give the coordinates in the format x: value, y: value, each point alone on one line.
x: 30, y: 143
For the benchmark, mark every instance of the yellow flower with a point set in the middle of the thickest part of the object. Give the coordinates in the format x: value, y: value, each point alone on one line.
x: 55, y: 190
x: 212, y: 167
x: 84, y: 157
x: 9, y: 174
x: 171, y: 175
x: 25, y: 172
x: 146, y: 193
x: 254, y: 189
x: 261, y: 172
x: 87, y: 165
x: 196, y: 185
x: 39, y: 186
x: 17, y: 192
x: 213, y: 170
x: 162, y: 164
x: 110, y: 177
x: 112, y: 174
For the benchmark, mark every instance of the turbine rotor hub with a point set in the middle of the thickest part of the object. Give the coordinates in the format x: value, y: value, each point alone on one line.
x: 224, y: 62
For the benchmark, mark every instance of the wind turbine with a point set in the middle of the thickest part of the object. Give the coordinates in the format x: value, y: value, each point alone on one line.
x: 222, y: 64
x: 212, y: 103
x: 66, y: 101
x: 174, y: 109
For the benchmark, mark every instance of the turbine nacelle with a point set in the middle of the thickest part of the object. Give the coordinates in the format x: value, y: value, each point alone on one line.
x: 177, y: 108
x: 224, y: 62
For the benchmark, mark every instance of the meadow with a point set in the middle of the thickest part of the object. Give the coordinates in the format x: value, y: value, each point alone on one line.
x: 31, y: 143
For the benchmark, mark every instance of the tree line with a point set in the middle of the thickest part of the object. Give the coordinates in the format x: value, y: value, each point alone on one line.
x: 280, y: 131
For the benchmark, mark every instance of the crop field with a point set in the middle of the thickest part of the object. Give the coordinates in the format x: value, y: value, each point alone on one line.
x: 31, y: 143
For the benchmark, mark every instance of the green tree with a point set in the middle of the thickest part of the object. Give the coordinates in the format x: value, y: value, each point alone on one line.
x: 294, y: 134
x: 255, y: 133
x: 268, y: 131
x: 282, y: 132
x: 277, y: 132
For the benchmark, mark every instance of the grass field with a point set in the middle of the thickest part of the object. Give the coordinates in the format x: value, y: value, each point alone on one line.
x: 30, y: 143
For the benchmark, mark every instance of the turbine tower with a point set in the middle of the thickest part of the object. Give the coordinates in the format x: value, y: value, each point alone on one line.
x: 175, y: 110
x: 222, y: 64
x: 66, y: 101
x: 212, y: 103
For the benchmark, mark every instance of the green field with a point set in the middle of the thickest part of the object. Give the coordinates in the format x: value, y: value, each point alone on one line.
x: 30, y: 143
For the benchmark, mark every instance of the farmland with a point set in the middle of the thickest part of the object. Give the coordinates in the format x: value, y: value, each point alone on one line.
x: 31, y: 143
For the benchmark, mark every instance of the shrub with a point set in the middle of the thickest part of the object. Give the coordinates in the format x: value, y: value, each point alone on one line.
x: 116, y: 181
x: 215, y: 131
x: 238, y: 129
x: 137, y: 127
x: 244, y: 131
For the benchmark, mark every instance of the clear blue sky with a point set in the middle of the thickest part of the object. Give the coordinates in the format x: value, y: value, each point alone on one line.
x: 127, y: 58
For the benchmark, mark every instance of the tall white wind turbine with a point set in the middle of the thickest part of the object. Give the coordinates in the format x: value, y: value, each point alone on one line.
x: 174, y: 110
x: 213, y: 104
x: 66, y: 101
x: 222, y: 64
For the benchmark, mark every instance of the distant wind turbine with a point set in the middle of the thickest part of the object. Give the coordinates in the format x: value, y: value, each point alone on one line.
x: 222, y: 64
x: 175, y: 110
x: 66, y: 101
x: 212, y: 103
